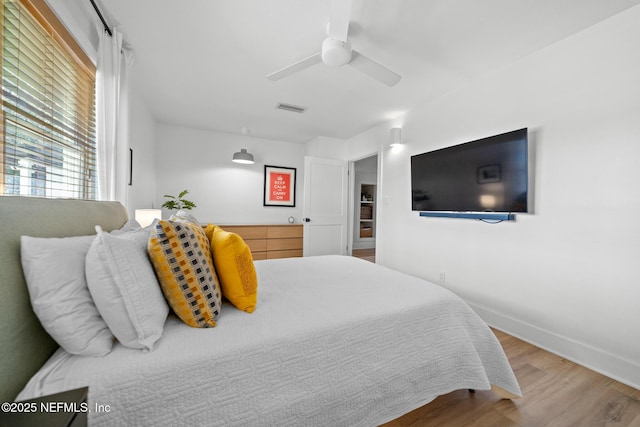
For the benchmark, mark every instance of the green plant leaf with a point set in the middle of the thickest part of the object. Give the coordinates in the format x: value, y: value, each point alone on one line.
x: 177, y: 202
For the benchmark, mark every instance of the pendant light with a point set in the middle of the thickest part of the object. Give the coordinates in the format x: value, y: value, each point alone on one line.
x: 243, y: 157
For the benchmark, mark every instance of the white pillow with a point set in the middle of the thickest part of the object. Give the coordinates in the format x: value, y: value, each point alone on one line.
x: 54, y: 271
x: 130, y: 225
x: 124, y: 287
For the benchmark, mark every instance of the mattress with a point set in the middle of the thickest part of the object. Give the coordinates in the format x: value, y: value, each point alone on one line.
x: 334, y: 340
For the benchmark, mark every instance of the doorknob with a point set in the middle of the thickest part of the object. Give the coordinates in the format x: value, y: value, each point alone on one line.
x: 307, y: 220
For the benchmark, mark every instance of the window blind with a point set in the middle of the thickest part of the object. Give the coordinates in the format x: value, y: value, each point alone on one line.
x: 48, y: 107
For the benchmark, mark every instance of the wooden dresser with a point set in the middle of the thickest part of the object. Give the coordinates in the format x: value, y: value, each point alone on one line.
x: 270, y: 241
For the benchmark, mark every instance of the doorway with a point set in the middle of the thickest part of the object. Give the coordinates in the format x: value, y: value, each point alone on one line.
x: 365, y: 194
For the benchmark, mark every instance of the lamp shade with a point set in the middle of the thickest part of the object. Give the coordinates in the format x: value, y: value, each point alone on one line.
x: 243, y: 156
x: 396, y: 137
x: 146, y: 216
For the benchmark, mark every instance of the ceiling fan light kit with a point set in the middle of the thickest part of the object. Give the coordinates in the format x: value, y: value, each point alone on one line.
x: 336, y: 51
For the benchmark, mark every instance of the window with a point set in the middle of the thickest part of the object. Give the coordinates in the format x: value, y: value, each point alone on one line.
x: 47, y: 128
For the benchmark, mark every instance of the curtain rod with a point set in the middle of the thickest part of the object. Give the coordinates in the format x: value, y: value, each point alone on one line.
x: 104, y: 23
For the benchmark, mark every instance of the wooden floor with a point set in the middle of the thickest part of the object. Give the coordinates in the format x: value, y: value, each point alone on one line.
x: 556, y: 392
x: 368, y: 254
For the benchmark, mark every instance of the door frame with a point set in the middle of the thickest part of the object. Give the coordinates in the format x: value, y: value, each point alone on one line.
x: 352, y: 191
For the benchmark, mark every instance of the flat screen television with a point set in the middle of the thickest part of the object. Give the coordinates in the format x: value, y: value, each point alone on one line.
x: 485, y: 175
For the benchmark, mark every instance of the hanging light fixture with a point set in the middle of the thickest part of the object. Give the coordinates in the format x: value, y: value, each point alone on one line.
x: 243, y: 157
x: 396, y: 137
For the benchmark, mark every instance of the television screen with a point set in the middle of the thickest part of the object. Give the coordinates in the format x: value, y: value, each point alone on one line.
x: 486, y: 175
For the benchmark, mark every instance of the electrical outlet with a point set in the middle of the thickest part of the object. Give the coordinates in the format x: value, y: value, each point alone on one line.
x: 443, y: 277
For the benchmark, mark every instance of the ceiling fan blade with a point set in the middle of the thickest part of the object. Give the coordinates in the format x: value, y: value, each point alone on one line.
x: 339, y: 19
x: 294, y: 68
x: 373, y: 69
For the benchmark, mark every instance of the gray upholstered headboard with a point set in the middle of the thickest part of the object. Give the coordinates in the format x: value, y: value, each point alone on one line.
x: 24, y: 345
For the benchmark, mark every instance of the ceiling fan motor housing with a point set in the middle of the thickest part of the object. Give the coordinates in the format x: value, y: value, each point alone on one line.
x: 336, y: 53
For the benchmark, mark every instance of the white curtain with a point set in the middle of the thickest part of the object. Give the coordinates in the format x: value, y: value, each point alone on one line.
x: 112, y: 116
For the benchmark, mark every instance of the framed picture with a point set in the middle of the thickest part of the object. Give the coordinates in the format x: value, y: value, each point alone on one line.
x: 490, y: 173
x: 279, y: 186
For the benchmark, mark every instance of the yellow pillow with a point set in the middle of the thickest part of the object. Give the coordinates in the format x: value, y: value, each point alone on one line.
x: 234, y: 263
x: 181, y: 257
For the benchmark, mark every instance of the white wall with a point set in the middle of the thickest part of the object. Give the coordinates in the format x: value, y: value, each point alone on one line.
x: 567, y: 276
x: 81, y: 21
x: 225, y: 192
x: 326, y: 148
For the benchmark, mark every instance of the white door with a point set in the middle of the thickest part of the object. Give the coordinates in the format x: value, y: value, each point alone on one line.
x: 325, y: 206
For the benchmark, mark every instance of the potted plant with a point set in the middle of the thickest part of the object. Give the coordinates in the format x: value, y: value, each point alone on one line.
x: 178, y: 202
x: 181, y: 204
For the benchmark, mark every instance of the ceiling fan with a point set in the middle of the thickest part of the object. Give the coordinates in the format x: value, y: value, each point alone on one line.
x: 336, y: 50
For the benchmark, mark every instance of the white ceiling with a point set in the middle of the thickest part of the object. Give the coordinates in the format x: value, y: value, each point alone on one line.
x: 202, y: 63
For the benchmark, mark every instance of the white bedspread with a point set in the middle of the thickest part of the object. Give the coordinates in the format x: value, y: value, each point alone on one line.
x: 334, y: 341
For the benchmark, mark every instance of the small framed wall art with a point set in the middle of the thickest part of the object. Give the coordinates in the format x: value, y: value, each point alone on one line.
x: 279, y: 186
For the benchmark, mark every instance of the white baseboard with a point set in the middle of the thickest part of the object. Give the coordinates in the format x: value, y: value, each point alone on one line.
x: 601, y: 361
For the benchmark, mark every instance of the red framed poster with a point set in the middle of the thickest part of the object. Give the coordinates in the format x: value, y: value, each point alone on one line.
x: 279, y: 186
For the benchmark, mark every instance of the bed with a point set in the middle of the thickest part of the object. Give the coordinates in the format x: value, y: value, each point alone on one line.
x: 333, y: 340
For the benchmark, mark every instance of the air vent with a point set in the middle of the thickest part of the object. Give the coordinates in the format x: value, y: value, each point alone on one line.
x: 289, y: 107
